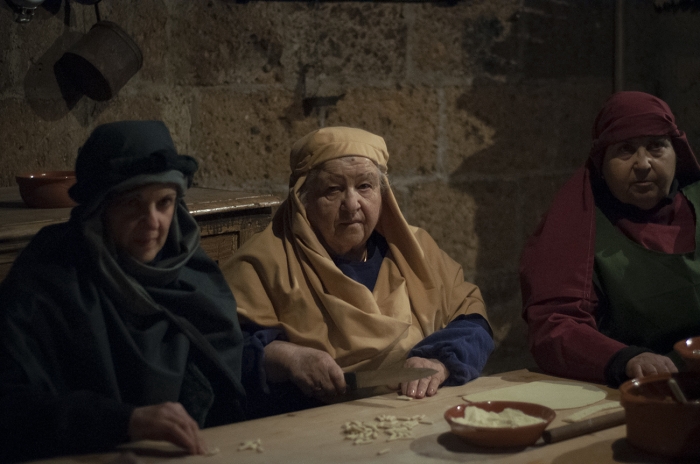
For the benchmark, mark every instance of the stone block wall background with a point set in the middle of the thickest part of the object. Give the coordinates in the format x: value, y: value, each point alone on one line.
x: 486, y: 105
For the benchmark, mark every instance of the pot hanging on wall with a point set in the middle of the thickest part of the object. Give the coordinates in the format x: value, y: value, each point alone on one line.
x: 102, y: 61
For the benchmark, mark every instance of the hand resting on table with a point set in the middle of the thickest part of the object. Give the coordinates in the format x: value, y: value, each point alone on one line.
x: 429, y: 385
x: 169, y: 422
x: 649, y: 364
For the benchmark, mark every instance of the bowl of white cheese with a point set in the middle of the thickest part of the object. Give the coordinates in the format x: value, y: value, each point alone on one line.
x: 499, y: 424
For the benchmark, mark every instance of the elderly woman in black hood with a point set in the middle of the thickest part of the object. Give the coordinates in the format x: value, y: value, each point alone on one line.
x: 116, y: 326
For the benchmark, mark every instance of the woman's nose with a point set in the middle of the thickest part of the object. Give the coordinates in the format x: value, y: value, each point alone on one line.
x: 642, y: 159
x: 150, y: 217
x: 351, y: 200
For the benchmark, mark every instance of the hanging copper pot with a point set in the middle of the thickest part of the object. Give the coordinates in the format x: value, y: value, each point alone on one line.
x: 102, y: 61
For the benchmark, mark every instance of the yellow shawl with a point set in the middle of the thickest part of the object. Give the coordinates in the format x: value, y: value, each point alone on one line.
x: 284, y: 278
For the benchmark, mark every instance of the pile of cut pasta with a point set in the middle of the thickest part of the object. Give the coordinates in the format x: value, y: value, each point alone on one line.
x: 394, y: 428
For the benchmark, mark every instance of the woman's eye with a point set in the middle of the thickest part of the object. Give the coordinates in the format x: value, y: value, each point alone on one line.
x: 165, y: 202
x: 623, y: 155
x: 627, y: 149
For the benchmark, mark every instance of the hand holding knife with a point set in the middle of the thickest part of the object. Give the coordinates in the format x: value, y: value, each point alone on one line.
x: 364, y: 379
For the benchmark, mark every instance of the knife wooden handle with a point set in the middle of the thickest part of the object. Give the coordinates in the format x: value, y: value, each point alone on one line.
x: 582, y: 428
x: 350, y: 381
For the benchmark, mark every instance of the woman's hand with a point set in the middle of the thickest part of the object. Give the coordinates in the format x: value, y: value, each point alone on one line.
x: 169, y: 422
x: 429, y: 385
x: 314, y: 371
x: 648, y: 364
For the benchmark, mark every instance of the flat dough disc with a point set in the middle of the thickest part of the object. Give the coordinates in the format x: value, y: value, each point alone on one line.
x: 554, y: 394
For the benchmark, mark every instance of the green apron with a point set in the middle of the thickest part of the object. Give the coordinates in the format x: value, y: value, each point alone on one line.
x: 653, y: 297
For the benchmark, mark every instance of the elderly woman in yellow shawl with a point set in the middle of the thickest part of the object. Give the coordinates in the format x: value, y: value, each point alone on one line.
x: 341, y: 282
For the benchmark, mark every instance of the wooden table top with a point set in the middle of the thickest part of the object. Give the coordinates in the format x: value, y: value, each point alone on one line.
x: 19, y: 221
x: 315, y: 436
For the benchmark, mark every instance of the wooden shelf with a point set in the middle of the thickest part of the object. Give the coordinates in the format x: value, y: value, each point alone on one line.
x: 226, y: 219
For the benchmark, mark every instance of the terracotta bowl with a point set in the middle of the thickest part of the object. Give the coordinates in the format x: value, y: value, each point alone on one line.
x: 656, y: 422
x: 501, y: 437
x: 689, y: 350
x: 48, y: 189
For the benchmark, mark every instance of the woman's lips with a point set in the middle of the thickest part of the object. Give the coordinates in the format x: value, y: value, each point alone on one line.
x: 643, y: 185
x: 145, y: 241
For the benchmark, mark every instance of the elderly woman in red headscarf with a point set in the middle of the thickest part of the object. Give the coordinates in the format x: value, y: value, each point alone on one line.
x: 611, y: 278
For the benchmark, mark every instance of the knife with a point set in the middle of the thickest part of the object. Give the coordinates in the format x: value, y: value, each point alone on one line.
x: 363, y: 379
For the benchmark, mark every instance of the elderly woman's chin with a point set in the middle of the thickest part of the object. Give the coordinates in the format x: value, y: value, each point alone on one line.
x: 645, y: 198
x: 145, y: 252
x: 346, y: 241
x: 351, y: 247
x: 643, y: 195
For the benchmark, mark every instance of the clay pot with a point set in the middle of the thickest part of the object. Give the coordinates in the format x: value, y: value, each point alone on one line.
x: 48, y: 189
x: 656, y: 422
x: 689, y: 350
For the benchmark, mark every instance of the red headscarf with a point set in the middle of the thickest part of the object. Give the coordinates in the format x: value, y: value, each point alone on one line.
x: 557, y: 261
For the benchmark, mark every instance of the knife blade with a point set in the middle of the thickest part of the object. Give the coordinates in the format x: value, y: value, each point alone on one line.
x: 363, y: 379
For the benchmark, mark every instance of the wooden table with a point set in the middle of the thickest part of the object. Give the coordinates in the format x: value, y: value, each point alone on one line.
x: 314, y: 436
x: 226, y: 219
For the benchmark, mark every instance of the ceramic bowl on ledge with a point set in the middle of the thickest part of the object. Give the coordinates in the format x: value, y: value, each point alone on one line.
x: 46, y: 189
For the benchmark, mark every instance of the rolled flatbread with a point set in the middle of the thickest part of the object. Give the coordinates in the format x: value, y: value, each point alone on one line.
x: 555, y: 394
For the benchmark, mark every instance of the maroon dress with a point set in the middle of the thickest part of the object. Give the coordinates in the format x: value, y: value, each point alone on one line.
x: 560, y: 302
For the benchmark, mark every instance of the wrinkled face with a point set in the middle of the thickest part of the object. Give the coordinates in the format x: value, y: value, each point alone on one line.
x: 138, y: 220
x: 640, y: 171
x: 344, y: 203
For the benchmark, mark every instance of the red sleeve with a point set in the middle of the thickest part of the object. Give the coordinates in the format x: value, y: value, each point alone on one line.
x: 556, y: 280
x: 565, y: 341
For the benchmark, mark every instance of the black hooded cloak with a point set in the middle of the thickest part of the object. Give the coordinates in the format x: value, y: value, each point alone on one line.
x: 87, y: 335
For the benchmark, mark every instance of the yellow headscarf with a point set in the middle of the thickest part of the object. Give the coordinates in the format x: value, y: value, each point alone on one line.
x: 283, y: 277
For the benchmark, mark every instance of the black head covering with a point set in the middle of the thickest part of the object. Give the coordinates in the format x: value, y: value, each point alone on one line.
x: 134, y: 333
x: 118, y: 151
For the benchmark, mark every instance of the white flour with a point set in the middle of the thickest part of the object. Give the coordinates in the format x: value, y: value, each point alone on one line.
x: 509, y: 417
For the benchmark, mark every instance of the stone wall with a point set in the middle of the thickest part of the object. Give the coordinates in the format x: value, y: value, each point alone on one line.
x: 486, y: 105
